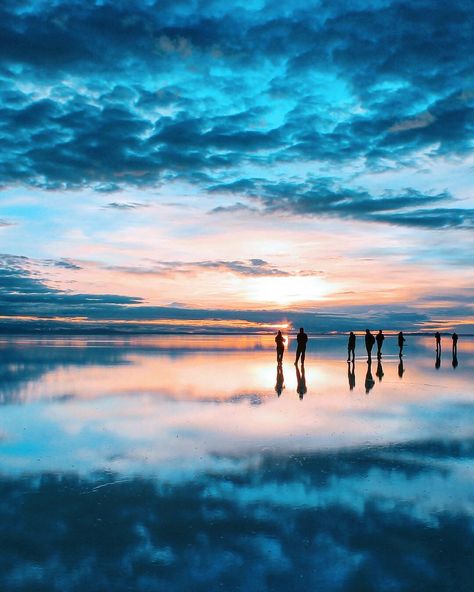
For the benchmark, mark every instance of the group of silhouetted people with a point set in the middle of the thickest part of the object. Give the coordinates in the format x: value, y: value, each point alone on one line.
x: 301, y: 340
x: 454, y: 338
x: 370, y: 340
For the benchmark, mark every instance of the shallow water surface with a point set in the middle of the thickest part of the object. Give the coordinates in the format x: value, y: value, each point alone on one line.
x: 195, y: 463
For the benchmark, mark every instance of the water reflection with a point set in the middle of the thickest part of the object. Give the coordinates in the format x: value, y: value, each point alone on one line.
x: 301, y: 381
x: 280, y: 380
x: 351, y: 374
x: 369, y: 379
x: 401, y: 368
x: 152, y: 465
x: 379, y: 372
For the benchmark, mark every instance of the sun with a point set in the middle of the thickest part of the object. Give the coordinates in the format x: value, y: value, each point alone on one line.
x: 285, y: 291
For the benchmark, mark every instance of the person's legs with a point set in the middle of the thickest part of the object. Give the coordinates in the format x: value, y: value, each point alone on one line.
x: 303, y: 353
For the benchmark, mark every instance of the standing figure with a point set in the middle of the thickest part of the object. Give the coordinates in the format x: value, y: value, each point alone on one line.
x: 280, y: 341
x: 369, y: 343
x: 302, y: 340
x: 379, y: 339
x: 438, y: 359
x: 351, y: 344
x: 401, y: 343
x: 438, y: 342
x: 455, y: 344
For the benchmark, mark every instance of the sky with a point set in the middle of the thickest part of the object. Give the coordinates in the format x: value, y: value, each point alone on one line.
x: 236, y: 166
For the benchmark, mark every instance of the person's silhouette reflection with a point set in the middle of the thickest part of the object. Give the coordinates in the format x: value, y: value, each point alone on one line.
x: 280, y: 380
x: 280, y: 342
x: 401, y: 369
x: 300, y: 382
x: 351, y: 375
x: 455, y: 359
x: 369, y: 379
x: 438, y: 359
x: 379, y: 372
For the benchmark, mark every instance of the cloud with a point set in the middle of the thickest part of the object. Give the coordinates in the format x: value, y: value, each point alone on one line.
x: 250, y: 267
x: 323, y: 197
x: 110, y: 98
x: 6, y: 223
x: 194, y: 533
x: 133, y: 205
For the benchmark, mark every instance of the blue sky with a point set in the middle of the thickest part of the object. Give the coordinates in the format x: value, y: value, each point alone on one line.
x: 240, y: 156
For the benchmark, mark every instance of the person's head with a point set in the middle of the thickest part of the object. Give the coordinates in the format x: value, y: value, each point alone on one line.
x: 380, y: 330
x: 367, y: 331
x: 279, y: 332
x: 351, y: 333
x: 301, y: 330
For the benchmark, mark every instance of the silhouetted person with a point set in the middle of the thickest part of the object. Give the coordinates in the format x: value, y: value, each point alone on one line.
x: 369, y: 343
x: 379, y: 338
x: 455, y: 359
x: 438, y: 359
x: 280, y: 341
x: 369, y: 379
x: 438, y: 341
x: 300, y: 382
x: 280, y: 380
x: 455, y: 344
x: 401, y: 370
x: 401, y: 343
x: 302, y: 340
x: 379, y: 372
x: 351, y: 344
x: 351, y: 374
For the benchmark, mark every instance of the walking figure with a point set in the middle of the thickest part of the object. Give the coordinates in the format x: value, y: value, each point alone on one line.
x: 369, y: 343
x: 351, y: 344
x: 401, y: 343
x: 302, y: 340
x: 379, y: 339
x: 280, y: 341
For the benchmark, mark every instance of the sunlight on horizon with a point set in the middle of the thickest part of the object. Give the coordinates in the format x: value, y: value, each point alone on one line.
x: 286, y: 290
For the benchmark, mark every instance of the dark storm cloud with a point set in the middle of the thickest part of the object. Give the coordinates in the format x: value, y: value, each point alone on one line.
x: 127, y: 532
x: 168, y: 91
